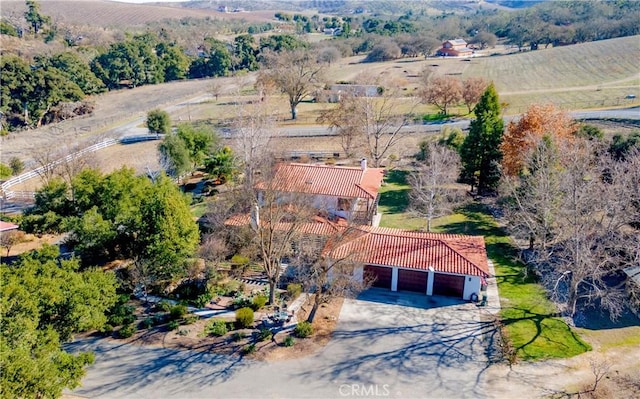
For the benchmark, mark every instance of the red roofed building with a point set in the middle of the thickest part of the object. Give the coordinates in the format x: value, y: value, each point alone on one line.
x: 455, y: 48
x: 346, y: 192
x: 433, y: 264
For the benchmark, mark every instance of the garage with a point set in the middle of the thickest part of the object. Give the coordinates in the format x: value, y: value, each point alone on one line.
x: 382, y: 276
x: 412, y: 280
x: 448, y: 285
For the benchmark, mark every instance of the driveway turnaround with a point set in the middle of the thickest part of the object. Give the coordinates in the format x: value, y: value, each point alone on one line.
x: 386, y: 344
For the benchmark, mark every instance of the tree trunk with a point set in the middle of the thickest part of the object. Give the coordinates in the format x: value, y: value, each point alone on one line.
x: 316, y: 304
x: 294, y: 112
x: 272, y: 292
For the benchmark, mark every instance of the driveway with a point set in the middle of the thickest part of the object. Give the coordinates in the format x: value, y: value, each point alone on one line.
x: 385, y: 344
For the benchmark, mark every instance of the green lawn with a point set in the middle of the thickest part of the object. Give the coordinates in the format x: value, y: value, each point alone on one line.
x: 529, y: 317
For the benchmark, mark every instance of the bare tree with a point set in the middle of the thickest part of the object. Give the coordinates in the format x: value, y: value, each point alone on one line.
x: 431, y: 193
x: 472, y: 89
x: 10, y: 238
x: 441, y: 91
x: 275, y: 224
x: 372, y: 122
x: 253, y: 127
x: 328, y: 55
x: 329, y: 273
x: 295, y: 73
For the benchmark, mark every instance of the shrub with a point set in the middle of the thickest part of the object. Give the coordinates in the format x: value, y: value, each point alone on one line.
x: 289, y: 341
x: 294, y: 290
x: 106, y: 330
x: 158, y: 319
x: 148, y: 322
x: 264, y: 334
x: 238, y: 336
x: 178, y: 311
x: 190, y: 319
x: 203, y: 300
x: 173, y: 324
x: 249, y: 349
x: 242, y: 302
x: 126, y: 331
x: 163, y: 306
x: 259, y: 302
x: 216, y: 327
x: 183, y: 331
x: 304, y: 329
x: 244, y: 317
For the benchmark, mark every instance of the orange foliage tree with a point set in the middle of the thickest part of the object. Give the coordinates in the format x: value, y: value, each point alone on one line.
x: 522, y: 135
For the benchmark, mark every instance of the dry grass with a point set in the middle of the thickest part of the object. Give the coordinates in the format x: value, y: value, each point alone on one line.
x: 124, y: 15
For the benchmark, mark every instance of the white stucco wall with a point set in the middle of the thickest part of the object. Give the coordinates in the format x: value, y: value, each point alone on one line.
x: 471, y: 286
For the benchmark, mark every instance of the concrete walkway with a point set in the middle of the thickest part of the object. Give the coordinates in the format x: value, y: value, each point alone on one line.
x: 493, y: 297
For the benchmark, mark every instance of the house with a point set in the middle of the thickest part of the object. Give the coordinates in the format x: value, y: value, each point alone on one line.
x: 394, y: 259
x: 342, y: 192
x: 336, y: 91
x: 454, y: 48
x: 428, y: 263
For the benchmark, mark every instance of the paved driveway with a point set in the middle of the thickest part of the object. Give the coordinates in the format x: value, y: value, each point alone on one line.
x: 385, y: 345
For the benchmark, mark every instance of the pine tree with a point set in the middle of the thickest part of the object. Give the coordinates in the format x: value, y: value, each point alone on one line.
x: 480, y: 153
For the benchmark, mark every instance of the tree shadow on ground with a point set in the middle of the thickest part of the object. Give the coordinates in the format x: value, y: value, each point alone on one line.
x: 395, y: 199
x: 131, y: 367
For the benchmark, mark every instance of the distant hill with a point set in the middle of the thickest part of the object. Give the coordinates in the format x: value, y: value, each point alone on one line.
x: 516, y: 3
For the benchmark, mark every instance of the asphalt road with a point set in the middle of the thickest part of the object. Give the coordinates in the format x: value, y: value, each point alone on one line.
x: 386, y: 344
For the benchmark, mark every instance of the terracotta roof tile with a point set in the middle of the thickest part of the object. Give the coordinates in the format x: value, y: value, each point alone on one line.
x: 336, y: 181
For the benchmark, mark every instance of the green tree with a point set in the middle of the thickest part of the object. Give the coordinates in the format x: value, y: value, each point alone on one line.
x: 5, y: 171
x: 76, y: 70
x: 244, y: 49
x: 480, y: 152
x: 280, y: 43
x: 158, y: 121
x: 34, y: 17
x: 43, y: 302
x: 173, y: 61
x: 221, y: 164
x: 174, y: 155
x: 133, y: 62
x: 198, y: 141
x: 167, y: 234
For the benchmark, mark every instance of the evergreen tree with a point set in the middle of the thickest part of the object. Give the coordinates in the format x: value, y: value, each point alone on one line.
x: 480, y: 153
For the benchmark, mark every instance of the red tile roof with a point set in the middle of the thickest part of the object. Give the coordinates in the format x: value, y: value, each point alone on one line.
x: 335, y: 181
x: 6, y: 226
x: 447, y: 253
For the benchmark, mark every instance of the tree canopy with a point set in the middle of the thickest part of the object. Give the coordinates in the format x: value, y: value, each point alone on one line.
x: 480, y: 152
x: 44, y: 302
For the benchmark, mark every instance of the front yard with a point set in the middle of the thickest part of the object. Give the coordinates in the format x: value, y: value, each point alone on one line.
x: 530, y: 319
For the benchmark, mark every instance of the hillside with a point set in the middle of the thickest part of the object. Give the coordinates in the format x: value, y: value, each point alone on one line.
x: 113, y: 14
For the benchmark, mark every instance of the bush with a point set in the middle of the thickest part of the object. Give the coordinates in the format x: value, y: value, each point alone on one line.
x: 216, y: 327
x: 238, y: 336
x: 203, y: 300
x: 294, y: 290
x: 304, y: 329
x: 264, y: 334
x: 190, y: 319
x: 183, y: 332
x: 244, y: 317
x: 162, y: 306
x: 173, y: 324
x: 106, y: 330
x: 177, y: 311
x: 148, y: 322
x: 259, y: 302
x: 249, y: 349
x: 289, y: 341
x: 242, y: 302
x: 126, y: 331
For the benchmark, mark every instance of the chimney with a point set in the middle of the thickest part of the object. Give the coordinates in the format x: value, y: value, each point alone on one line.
x: 255, y: 217
x: 363, y: 163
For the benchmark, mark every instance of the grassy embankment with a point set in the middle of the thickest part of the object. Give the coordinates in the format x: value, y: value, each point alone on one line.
x: 534, y: 330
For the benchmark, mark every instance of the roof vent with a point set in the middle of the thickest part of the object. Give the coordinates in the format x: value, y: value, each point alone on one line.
x: 363, y: 163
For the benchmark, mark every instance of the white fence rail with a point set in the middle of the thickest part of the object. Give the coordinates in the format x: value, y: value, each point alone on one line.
x: 36, y: 172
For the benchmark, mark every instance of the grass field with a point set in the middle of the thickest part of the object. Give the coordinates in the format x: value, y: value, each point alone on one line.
x: 530, y: 319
